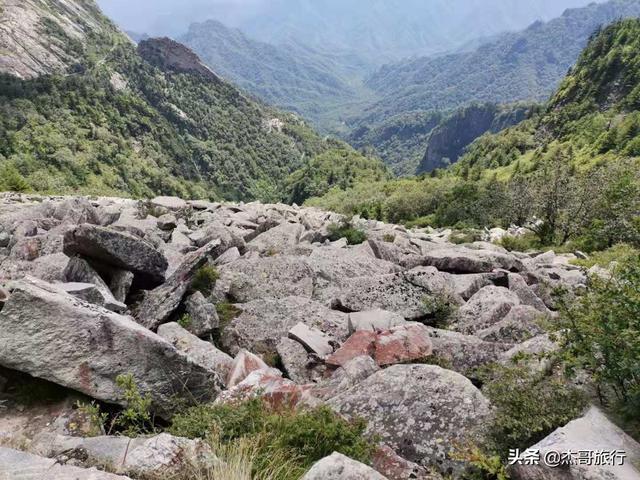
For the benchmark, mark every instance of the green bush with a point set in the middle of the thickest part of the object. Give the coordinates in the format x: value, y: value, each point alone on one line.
x: 346, y: 230
x: 440, y: 309
x: 600, y: 333
x: 465, y: 236
x: 304, y: 435
x: 205, y: 279
x: 136, y: 418
x: 529, y: 406
x: 618, y: 253
x: 185, y: 321
x: 521, y: 243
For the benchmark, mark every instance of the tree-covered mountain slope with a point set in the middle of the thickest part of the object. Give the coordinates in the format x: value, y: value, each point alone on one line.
x: 526, y: 65
x: 93, y: 114
x: 293, y: 77
x: 571, y: 172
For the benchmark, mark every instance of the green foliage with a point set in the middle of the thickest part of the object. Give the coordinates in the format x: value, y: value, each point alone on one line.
x: 303, y: 435
x: 11, y: 179
x: 620, y: 253
x: 340, y: 167
x: 440, y: 309
x: 522, y: 243
x: 460, y: 237
x: 600, y: 332
x: 482, y: 466
x: 353, y: 235
x: 522, y: 418
x: 97, y: 418
x: 185, y: 321
x: 205, y: 279
x: 136, y: 418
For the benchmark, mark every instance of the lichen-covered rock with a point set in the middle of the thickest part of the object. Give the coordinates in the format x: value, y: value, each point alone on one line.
x: 520, y: 324
x: 200, y: 352
x: 421, y: 411
x: 339, y: 467
x: 264, y: 322
x: 118, y: 249
x: 203, y: 317
x: 21, y: 465
x: 349, y: 375
x: 593, y: 432
x: 51, y: 335
x: 468, y: 260
x: 486, y: 308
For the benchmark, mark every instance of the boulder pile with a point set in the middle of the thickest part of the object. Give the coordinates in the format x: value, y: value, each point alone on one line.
x: 210, y: 302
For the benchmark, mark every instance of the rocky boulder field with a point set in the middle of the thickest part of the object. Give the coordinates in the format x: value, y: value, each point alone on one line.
x: 199, y: 302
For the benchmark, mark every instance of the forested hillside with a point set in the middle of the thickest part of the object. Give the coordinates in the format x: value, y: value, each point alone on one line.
x: 296, y: 78
x: 105, y: 118
x: 574, y: 166
x: 526, y: 65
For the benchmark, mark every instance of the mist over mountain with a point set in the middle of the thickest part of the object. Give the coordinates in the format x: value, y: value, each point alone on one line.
x: 379, y: 30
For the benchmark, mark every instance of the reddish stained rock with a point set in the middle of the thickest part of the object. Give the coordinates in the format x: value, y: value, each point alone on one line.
x: 243, y: 365
x: 401, y: 344
x: 394, y: 467
x: 269, y: 385
x: 359, y: 344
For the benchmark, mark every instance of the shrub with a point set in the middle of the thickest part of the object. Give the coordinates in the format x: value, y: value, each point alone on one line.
x: 185, y: 321
x: 346, y: 230
x: 136, y: 419
x: 522, y: 418
x: 618, y: 253
x: 465, y: 236
x: 205, y: 279
x: 522, y: 243
x: 303, y: 435
x: 600, y: 333
x: 440, y: 309
x: 388, y: 238
x: 97, y: 418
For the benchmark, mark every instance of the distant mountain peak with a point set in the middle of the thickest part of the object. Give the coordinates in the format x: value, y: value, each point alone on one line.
x: 168, y: 54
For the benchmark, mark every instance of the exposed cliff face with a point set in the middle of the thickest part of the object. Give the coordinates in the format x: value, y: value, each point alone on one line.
x: 449, y: 140
x: 40, y: 37
x: 167, y: 54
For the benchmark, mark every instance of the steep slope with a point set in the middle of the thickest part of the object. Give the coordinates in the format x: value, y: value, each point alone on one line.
x: 448, y: 141
x: 290, y: 76
x: 105, y: 118
x: 517, y: 66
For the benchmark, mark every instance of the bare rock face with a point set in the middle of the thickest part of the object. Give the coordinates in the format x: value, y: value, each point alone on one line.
x: 117, y: 249
x: 339, y: 467
x: 467, y: 260
x: 486, y: 308
x: 15, y: 464
x: 52, y: 335
x: 420, y: 411
x: 594, y: 432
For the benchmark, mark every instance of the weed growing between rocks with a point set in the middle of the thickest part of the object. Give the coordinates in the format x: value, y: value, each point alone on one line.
x: 440, y: 310
x: 136, y: 418
x: 346, y: 230
x: 302, y: 436
x: 205, y: 279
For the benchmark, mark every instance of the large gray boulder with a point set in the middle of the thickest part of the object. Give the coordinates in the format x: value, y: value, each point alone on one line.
x: 283, y: 238
x: 20, y: 465
x: 593, y: 433
x: 520, y: 324
x: 79, y: 270
x: 199, y: 351
x: 250, y: 279
x: 339, y: 467
x: 202, y: 314
x: 51, y: 335
x: 468, y: 260
x: 159, y: 304
x: 421, y: 411
x: 264, y: 322
x: 402, y: 293
x: 486, y: 308
x: 118, y: 249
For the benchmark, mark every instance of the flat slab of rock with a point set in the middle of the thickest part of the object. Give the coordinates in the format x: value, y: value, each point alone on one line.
x: 170, y: 203
x: 339, y: 467
x: 200, y: 352
x: 593, y: 433
x: 157, y: 455
x: 52, y: 335
x: 312, y: 339
x: 79, y: 270
x: 118, y: 249
x: 468, y: 260
x: 264, y: 322
x: 401, y: 344
x: 374, y: 320
x: 25, y: 466
x: 420, y: 411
